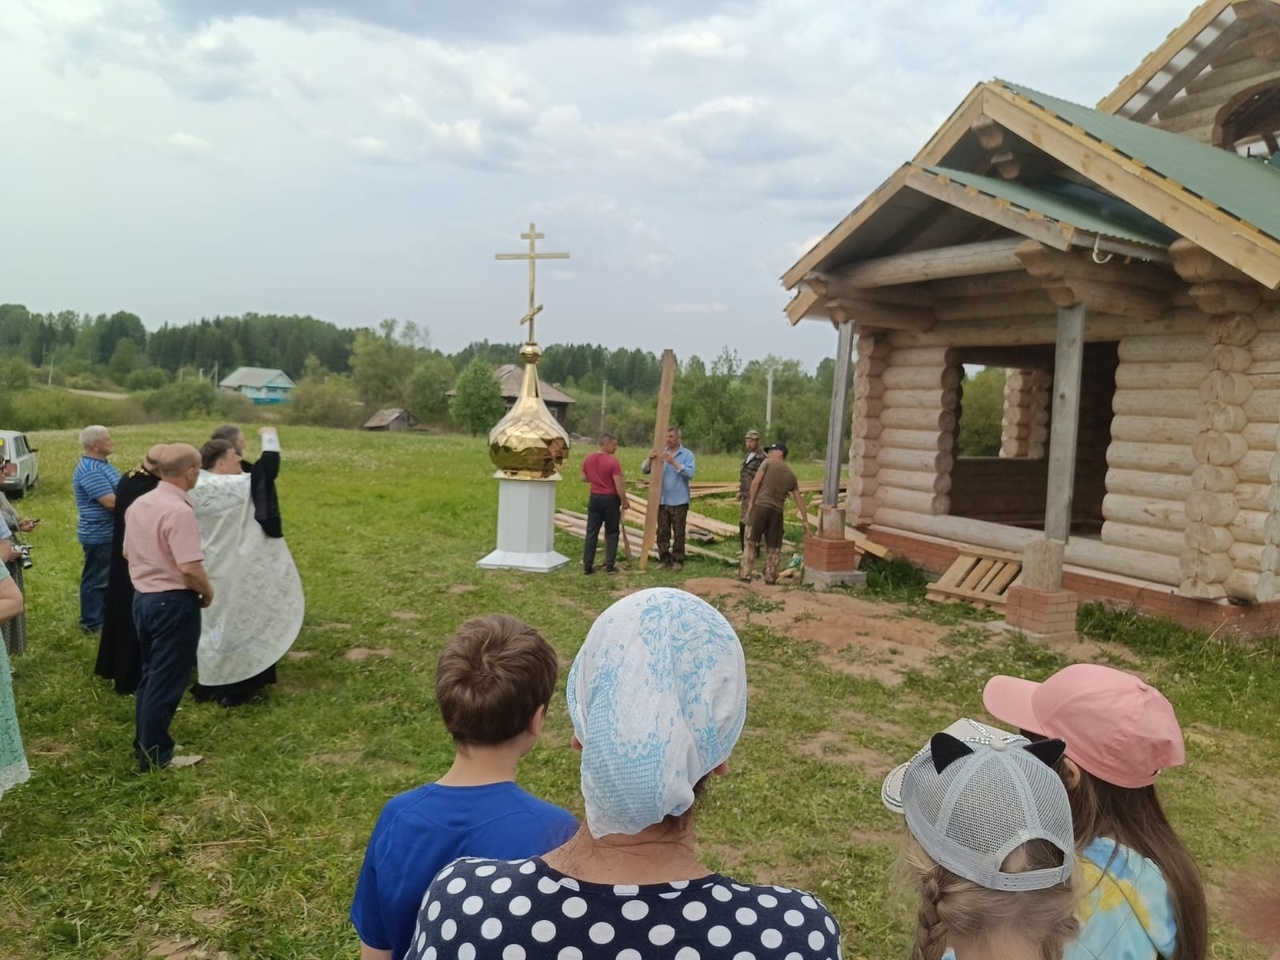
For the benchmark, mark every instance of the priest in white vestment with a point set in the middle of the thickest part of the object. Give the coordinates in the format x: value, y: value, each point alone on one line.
x: 258, y: 602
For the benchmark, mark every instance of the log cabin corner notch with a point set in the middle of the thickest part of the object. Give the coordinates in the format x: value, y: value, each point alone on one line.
x: 999, y: 245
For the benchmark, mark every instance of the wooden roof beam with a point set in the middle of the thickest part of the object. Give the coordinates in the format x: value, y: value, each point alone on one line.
x: 1133, y: 290
x: 994, y: 256
x: 1158, y: 59
x: 873, y: 314
x: 1193, y: 66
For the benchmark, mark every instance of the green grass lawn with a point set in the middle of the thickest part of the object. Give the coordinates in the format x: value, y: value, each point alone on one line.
x: 254, y: 853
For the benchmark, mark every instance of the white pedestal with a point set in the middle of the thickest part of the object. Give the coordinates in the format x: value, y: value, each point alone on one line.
x: 526, y: 527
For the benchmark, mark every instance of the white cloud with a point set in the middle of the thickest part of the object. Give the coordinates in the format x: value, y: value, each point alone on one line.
x: 186, y: 144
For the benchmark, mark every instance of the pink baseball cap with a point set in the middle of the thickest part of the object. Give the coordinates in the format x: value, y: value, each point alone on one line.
x: 1116, y: 727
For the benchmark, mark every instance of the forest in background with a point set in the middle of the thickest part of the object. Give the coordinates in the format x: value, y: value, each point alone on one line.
x: 343, y: 375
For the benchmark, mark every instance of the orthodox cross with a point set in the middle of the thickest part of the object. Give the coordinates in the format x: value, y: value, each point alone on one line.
x: 533, y: 256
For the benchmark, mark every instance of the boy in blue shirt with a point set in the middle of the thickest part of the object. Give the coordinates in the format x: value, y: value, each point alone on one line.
x: 494, y: 681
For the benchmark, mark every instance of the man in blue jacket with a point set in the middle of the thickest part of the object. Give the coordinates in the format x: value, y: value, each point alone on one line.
x: 677, y: 465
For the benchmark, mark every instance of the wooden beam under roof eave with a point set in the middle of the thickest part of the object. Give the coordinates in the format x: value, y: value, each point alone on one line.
x: 1248, y: 250
x: 1159, y: 58
x: 800, y: 305
x: 845, y: 228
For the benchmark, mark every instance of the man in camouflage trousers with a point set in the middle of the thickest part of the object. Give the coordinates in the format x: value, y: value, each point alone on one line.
x: 755, y: 457
x: 774, y: 482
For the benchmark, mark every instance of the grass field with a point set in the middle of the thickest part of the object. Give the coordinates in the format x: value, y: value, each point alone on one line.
x: 254, y: 853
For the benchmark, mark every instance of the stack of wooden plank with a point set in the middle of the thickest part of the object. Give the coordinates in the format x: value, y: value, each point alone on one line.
x: 575, y: 523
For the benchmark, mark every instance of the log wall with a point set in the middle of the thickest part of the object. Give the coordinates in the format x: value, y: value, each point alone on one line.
x: 1024, y: 429
x: 916, y: 435
x: 864, y: 443
x: 1185, y: 472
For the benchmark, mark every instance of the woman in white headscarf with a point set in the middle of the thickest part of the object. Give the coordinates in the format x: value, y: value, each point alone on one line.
x: 658, y: 698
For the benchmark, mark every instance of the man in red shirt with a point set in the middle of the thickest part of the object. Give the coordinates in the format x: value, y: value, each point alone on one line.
x: 605, y: 505
x: 166, y: 564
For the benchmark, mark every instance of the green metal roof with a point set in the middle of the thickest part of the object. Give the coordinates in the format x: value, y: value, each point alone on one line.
x: 1091, y: 211
x: 1245, y: 189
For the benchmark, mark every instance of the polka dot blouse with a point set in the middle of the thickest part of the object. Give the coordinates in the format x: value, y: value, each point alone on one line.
x: 524, y: 910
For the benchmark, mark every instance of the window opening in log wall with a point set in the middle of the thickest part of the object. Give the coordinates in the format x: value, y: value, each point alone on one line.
x: 1008, y: 482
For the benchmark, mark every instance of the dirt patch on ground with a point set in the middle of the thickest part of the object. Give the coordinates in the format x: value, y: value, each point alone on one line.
x: 337, y: 758
x: 332, y: 625
x: 364, y: 653
x: 832, y: 746
x: 858, y: 637
x: 299, y: 654
x: 462, y: 588
x: 1079, y: 649
x: 406, y: 615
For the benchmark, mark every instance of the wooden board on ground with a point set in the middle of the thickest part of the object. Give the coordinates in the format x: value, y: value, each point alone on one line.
x: 979, y: 577
x: 660, y: 423
x: 575, y: 523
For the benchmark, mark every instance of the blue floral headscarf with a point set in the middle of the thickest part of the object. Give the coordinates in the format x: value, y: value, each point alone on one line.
x: 658, y: 698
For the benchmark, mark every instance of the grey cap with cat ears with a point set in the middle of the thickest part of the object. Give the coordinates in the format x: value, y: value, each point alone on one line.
x: 977, y: 793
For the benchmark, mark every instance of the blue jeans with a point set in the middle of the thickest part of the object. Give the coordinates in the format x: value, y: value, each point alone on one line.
x: 168, y: 625
x: 93, y: 584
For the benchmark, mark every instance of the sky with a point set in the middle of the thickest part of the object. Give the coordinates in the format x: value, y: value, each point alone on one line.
x: 362, y: 159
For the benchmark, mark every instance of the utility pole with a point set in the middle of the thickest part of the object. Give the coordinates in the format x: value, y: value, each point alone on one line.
x: 768, y: 398
x: 603, y: 386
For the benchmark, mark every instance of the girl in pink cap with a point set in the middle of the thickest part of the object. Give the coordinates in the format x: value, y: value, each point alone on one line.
x: 1142, y: 895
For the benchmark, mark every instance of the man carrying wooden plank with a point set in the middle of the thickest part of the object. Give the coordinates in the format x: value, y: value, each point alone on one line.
x: 605, y: 504
x: 750, y: 465
x: 677, y: 465
x: 773, y: 481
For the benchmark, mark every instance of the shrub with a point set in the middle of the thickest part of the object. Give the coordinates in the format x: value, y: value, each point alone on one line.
x: 57, y: 410
x: 152, y: 378
x: 325, y: 402
x: 185, y: 400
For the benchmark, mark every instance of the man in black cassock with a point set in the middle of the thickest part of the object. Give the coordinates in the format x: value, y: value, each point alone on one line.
x: 119, y: 657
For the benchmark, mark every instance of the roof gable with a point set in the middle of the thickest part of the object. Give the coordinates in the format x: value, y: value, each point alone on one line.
x: 1227, y: 204
x: 257, y: 377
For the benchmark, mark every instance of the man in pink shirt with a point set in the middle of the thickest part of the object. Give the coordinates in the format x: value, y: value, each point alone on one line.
x: 605, y: 505
x: 166, y: 564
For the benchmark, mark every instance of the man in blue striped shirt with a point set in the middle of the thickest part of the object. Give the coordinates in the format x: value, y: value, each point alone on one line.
x: 94, y: 483
x: 677, y: 465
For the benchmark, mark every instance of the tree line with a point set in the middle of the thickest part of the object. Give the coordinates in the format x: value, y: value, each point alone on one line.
x: 345, y: 374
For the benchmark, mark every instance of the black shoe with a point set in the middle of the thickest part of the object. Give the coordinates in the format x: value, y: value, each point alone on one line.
x: 610, y: 569
x: 588, y: 571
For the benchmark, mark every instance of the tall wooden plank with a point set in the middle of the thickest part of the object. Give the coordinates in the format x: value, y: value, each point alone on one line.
x: 660, y: 424
x: 1068, y: 362
x: 836, y: 453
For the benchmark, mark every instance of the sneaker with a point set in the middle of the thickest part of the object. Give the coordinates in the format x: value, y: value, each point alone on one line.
x: 610, y: 569
x: 666, y: 564
x: 744, y: 579
x: 588, y: 572
x: 677, y: 565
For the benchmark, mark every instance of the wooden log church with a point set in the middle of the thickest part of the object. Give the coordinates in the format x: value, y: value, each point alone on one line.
x: 1122, y: 265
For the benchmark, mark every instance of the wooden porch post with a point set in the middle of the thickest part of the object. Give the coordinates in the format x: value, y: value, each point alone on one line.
x: 1068, y: 362
x: 836, y: 452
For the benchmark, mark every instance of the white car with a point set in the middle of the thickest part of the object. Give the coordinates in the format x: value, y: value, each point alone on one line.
x: 21, y: 468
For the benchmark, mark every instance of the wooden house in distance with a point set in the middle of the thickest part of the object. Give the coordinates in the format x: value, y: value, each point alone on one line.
x: 510, y: 376
x: 391, y: 419
x: 1121, y: 264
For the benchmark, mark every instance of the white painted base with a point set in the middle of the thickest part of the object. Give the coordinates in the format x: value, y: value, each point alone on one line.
x: 526, y: 527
